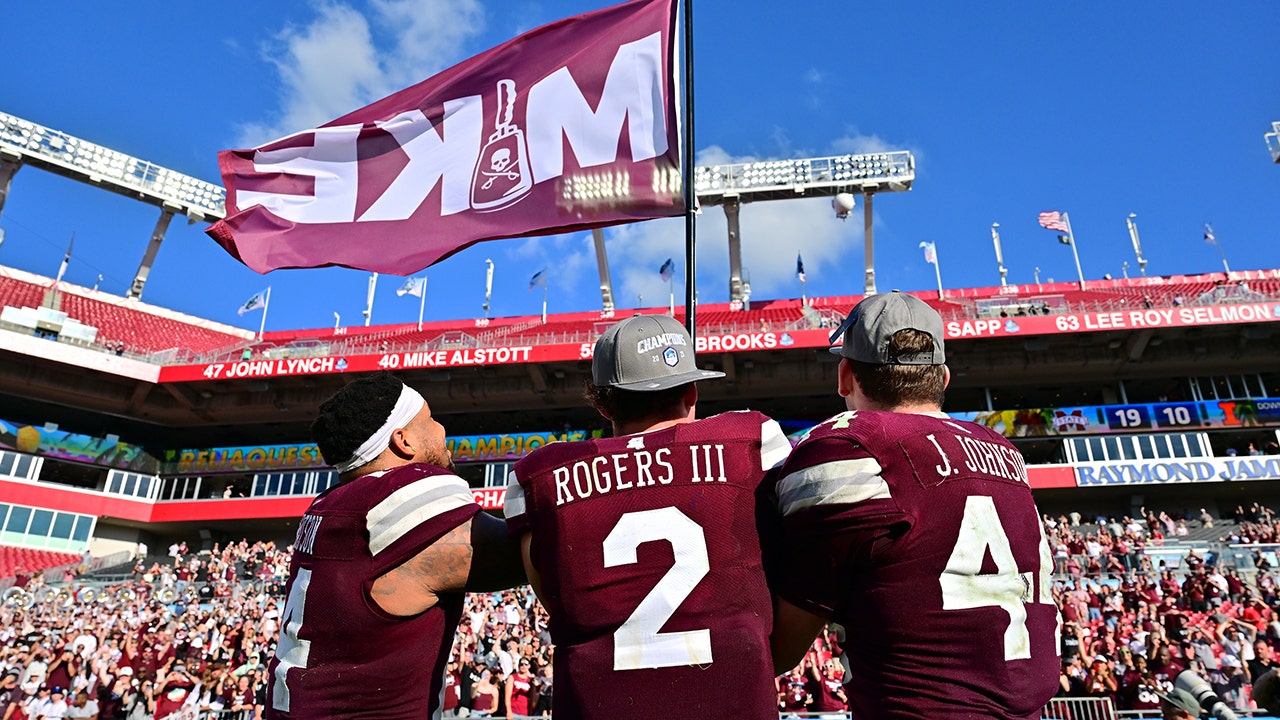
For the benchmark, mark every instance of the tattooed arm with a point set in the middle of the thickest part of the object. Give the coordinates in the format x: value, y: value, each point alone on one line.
x: 478, y: 556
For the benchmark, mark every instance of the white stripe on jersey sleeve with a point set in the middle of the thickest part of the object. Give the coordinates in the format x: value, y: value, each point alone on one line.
x: 841, y: 482
x: 413, y: 505
x: 774, y: 446
x: 513, y: 503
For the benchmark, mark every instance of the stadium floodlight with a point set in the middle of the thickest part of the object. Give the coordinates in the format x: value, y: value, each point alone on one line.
x: 58, y: 152
x: 23, y: 142
x: 868, y: 173
x: 1273, y: 142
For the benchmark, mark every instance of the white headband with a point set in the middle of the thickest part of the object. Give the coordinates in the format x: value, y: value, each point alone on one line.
x: 407, y: 407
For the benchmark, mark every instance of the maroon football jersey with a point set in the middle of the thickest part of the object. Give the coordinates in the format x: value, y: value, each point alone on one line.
x: 918, y: 533
x: 649, y: 554
x: 340, y: 655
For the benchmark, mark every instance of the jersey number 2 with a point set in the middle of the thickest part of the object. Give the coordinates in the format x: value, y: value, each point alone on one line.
x: 963, y: 585
x: 638, y: 644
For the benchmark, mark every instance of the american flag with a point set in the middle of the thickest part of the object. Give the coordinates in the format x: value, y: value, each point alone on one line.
x: 930, y: 253
x: 1052, y: 220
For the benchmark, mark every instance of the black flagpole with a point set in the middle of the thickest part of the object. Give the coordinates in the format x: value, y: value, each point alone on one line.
x: 690, y: 198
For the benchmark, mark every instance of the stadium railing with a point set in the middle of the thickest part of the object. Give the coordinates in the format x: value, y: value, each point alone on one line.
x: 1081, y: 709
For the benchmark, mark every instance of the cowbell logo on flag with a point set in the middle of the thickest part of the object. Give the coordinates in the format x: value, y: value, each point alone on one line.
x: 414, y: 286
x: 667, y: 271
x: 254, y: 303
x: 542, y: 121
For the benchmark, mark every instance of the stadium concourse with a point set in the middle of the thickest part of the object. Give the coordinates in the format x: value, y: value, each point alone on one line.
x: 127, y: 428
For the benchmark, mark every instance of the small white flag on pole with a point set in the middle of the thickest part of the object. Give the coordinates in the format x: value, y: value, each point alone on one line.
x: 256, y: 302
x: 414, y: 286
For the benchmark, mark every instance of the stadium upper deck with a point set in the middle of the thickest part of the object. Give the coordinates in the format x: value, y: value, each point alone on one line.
x: 1180, y: 368
x: 1020, y: 345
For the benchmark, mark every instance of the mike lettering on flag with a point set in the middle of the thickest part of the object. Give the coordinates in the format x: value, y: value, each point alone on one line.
x: 414, y: 286
x: 509, y: 143
x: 930, y: 253
x: 1052, y: 220
x: 667, y: 271
x: 799, y: 268
x: 539, y: 279
x: 256, y: 302
x: 1208, y: 234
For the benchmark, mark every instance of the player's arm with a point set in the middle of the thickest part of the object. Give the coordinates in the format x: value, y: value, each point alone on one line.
x: 793, y: 632
x: 506, y: 692
x: 478, y: 555
x: 535, y: 579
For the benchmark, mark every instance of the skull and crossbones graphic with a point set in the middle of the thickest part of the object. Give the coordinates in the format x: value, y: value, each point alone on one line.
x: 501, y: 167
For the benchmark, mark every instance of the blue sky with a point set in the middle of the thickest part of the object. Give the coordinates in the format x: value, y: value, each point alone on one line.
x: 1010, y: 108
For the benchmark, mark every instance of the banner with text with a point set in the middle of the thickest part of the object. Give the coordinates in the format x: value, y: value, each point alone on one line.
x: 1102, y: 419
x: 710, y: 341
x: 106, y: 451
x: 265, y: 458
x: 1188, y: 470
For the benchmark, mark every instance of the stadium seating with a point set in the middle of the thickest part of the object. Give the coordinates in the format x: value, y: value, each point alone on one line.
x: 141, y: 328
x: 16, y: 292
x: 31, y: 560
x: 141, y: 331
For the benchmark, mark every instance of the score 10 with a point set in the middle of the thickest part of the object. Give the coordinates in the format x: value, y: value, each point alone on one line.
x: 1166, y: 415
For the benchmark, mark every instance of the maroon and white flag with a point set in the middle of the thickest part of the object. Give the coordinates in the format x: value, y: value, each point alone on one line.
x: 567, y: 127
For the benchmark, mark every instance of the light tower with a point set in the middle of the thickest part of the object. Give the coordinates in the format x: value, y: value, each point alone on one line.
x: 23, y: 142
x: 838, y: 177
x: 732, y: 186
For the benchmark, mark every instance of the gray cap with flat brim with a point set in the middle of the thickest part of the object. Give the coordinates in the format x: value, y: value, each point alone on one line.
x: 646, y: 353
x: 874, y: 321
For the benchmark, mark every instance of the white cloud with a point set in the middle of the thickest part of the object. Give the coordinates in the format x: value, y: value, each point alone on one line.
x: 343, y: 59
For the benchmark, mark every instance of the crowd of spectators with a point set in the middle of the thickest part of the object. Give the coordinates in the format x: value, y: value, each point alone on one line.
x: 196, y: 632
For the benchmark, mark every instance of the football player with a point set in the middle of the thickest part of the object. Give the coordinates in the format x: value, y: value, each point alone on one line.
x: 644, y: 547
x: 380, y: 564
x: 919, y: 534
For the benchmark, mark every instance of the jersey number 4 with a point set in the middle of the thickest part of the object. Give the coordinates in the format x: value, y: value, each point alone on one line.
x: 637, y: 643
x: 964, y: 587
x: 292, y: 651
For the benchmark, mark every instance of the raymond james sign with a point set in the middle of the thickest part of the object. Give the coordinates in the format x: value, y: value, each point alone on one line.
x: 1191, y: 470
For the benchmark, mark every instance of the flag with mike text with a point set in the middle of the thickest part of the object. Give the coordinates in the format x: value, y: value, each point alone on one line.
x: 567, y: 127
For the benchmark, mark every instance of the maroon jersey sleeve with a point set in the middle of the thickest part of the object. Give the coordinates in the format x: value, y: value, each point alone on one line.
x: 920, y: 535
x: 340, y: 654
x: 649, y: 553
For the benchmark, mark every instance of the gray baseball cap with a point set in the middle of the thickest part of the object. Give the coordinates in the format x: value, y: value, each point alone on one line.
x: 1182, y: 700
x: 873, y: 322
x: 646, y: 353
